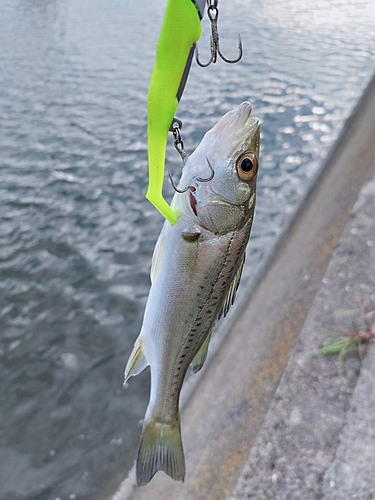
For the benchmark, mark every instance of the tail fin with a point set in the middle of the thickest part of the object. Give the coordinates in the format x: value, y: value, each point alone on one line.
x: 160, y: 449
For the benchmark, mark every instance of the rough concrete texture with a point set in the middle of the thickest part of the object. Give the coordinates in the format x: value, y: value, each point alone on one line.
x: 317, y: 440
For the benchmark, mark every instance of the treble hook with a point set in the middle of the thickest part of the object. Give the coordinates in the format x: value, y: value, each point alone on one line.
x: 199, y: 179
x: 213, y: 14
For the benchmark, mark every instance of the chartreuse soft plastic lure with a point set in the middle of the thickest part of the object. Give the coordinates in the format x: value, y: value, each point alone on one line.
x: 180, y: 31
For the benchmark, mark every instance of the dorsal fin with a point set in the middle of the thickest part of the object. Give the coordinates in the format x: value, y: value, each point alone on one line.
x: 201, y: 355
x: 231, y: 295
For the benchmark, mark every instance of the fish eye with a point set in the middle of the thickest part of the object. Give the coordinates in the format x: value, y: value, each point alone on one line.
x: 247, y: 166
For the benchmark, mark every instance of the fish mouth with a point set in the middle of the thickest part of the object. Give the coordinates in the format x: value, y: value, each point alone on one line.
x: 235, y: 129
x: 242, y: 113
x: 242, y: 127
x: 235, y: 118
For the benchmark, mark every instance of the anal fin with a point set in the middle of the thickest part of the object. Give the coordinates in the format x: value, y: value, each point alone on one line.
x: 201, y: 355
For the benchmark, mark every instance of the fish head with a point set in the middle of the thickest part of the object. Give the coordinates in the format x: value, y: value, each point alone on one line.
x: 230, y: 150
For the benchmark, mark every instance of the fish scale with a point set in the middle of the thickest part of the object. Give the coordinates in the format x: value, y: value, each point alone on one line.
x: 196, y: 269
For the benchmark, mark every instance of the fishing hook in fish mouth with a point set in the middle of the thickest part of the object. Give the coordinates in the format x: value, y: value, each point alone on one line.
x: 199, y: 179
x: 213, y: 14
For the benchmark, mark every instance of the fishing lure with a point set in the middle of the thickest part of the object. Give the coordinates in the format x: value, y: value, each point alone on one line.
x: 180, y: 31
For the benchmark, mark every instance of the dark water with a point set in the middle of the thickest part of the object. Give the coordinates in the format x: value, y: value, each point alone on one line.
x: 76, y: 233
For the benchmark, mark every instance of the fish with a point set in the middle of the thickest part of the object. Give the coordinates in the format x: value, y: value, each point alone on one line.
x: 195, y: 272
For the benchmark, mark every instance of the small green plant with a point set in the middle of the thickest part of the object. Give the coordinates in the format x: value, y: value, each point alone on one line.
x: 344, y: 344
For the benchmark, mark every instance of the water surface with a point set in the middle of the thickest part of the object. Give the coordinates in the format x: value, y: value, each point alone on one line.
x: 76, y: 233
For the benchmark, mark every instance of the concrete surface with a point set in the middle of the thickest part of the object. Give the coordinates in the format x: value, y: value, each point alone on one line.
x: 225, y: 404
x: 318, y: 438
x: 351, y: 473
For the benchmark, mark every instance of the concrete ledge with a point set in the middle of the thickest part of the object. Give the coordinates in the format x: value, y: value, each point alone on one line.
x: 317, y: 441
x: 226, y: 403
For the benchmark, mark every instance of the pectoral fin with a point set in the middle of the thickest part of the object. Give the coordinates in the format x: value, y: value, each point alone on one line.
x: 201, y: 356
x: 137, y: 361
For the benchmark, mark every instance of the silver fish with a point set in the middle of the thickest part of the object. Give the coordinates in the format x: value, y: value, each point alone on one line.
x: 196, y: 269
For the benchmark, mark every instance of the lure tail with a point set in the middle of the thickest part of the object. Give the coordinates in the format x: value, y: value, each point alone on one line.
x: 160, y: 449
